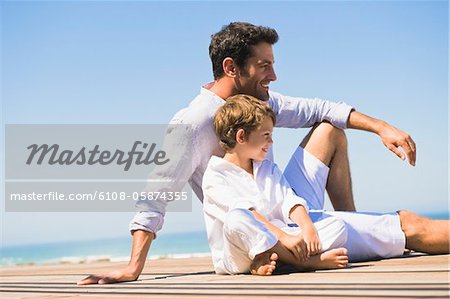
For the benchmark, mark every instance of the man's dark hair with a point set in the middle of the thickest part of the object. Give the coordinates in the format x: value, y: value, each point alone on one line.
x: 235, y: 41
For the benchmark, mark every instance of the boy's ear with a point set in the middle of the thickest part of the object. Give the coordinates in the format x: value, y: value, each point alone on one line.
x: 240, y: 136
x: 229, y: 68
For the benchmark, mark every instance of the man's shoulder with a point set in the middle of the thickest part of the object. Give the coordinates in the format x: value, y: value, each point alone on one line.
x: 275, y: 100
x: 199, y: 112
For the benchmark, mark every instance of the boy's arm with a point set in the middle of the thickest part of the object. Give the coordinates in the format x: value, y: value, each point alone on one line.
x: 295, y: 244
x: 300, y: 216
x: 295, y: 208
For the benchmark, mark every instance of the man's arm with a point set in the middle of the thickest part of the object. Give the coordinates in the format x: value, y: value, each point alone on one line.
x: 294, y: 112
x: 171, y: 176
x: 391, y: 137
x: 141, y: 245
x: 301, y: 113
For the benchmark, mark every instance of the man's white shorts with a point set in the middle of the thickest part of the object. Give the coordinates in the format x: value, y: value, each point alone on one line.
x: 369, y: 235
x: 307, y: 175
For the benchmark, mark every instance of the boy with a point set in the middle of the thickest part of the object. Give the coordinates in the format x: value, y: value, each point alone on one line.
x: 248, y: 204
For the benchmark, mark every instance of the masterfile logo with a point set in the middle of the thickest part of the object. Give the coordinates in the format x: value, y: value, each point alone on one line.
x: 96, y: 167
x: 53, y: 155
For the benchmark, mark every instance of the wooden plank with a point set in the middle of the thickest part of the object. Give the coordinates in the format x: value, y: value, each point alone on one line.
x: 417, y: 276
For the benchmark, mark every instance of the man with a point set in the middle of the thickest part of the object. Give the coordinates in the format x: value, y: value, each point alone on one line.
x: 242, y: 60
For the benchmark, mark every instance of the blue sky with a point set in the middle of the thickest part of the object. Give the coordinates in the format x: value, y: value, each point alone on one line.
x: 140, y: 62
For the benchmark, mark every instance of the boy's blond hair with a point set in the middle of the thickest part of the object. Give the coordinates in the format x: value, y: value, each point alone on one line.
x: 240, y: 112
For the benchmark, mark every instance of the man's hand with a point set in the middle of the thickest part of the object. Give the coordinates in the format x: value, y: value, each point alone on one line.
x: 391, y: 137
x: 141, y: 244
x: 394, y: 138
x: 112, y: 277
x: 296, y: 245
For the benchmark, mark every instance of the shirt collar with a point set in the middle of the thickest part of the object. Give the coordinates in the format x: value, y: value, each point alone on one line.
x: 220, y: 162
x: 204, y: 89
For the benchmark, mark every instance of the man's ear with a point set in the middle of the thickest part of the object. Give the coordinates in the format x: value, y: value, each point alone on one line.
x: 229, y: 67
x: 240, y: 136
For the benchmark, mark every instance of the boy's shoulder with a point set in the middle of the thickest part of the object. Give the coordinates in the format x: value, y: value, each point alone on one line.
x: 219, y: 165
x: 268, y: 164
x: 268, y: 167
x: 216, y: 169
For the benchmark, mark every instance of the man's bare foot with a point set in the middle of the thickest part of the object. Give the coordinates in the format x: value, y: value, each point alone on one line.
x: 331, y: 259
x: 264, y: 263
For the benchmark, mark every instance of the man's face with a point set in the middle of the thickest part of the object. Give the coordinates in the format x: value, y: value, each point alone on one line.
x: 257, y: 74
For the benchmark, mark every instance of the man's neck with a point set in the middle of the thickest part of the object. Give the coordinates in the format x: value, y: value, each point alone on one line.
x: 241, y: 162
x: 223, y: 88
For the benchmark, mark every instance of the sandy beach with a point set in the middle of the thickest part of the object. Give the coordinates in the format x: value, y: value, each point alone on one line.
x: 414, y: 276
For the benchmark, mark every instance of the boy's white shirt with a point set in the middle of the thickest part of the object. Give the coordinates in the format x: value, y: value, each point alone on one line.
x: 290, y: 112
x: 227, y: 186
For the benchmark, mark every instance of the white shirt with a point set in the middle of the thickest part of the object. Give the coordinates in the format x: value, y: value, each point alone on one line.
x: 290, y: 112
x: 227, y: 186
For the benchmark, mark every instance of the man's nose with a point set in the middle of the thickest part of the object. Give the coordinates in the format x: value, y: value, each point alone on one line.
x: 272, y: 75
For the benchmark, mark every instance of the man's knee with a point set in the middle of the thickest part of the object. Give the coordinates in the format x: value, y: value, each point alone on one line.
x: 326, y: 131
x: 412, y: 224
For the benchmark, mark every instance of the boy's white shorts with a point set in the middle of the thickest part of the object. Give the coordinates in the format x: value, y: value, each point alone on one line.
x: 369, y: 235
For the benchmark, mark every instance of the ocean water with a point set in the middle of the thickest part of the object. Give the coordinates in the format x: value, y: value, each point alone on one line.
x: 118, y: 249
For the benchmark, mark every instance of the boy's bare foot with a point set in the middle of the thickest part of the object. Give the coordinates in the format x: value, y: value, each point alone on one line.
x: 264, y: 263
x: 331, y: 259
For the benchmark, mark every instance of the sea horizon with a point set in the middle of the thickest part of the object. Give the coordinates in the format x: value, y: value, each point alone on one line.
x: 166, y: 245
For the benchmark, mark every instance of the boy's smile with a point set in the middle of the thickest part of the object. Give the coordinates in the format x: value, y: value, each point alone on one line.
x: 259, y: 141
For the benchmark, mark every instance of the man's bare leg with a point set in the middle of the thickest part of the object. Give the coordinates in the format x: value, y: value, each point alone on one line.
x: 329, y: 145
x: 424, y: 234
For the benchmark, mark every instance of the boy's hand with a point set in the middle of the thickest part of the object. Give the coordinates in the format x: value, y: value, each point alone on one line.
x: 312, y: 240
x: 296, y: 245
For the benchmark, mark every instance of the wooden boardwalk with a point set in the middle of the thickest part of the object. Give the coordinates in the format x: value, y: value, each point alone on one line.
x: 416, y: 276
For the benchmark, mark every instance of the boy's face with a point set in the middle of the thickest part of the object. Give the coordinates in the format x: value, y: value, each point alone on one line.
x: 259, y: 141
x: 255, y: 78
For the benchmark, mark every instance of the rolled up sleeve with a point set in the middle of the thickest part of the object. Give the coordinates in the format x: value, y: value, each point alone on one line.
x: 170, y: 177
x: 293, y: 112
x: 147, y: 221
x: 291, y: 201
